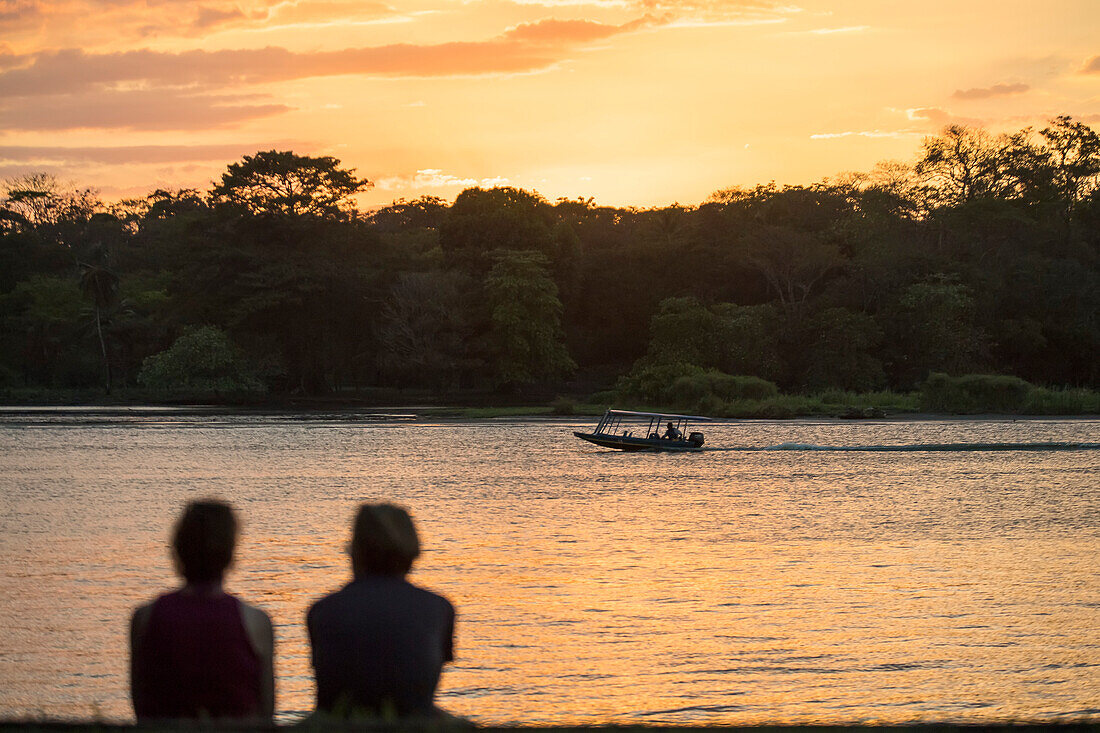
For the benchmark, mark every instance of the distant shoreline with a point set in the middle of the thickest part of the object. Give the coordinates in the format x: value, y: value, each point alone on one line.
x: 423, y: 413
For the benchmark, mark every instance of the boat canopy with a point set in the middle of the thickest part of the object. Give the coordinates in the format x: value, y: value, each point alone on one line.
x: 668, y: 415
x: 614, y: 420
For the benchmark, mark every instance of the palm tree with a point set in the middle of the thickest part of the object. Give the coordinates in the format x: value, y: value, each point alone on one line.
x: 100, y: 285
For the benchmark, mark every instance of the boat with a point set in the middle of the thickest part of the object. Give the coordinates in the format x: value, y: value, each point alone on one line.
x: 642, y: 431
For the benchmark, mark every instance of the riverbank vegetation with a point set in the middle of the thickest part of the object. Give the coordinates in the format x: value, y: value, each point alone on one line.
x: 878, y: 291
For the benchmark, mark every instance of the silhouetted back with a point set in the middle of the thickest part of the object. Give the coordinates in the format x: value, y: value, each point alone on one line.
x: 196, y: 660
x: 379, y: 645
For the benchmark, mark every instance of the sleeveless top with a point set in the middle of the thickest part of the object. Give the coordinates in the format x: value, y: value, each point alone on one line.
x: 196, y: 660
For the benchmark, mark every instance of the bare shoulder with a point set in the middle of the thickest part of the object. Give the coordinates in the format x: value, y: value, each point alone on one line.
x: 257, y: 624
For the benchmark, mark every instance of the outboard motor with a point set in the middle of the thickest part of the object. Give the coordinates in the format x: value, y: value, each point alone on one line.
x: 696, y: 439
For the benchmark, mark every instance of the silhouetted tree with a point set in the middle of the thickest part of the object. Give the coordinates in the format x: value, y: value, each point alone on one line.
x: 283, y: 183
x: 964, y: 163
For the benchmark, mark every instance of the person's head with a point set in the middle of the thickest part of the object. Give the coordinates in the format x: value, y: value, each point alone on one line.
x: 204, y: 539
x: 383, y: 541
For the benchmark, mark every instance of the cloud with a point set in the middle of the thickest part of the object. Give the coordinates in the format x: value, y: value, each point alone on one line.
x: 436, y: 178
x: 574, y: 3
x: 717, y: 6
x: 524, y: 48
x: 134, y: 110
x: 16, y: 13
x: 9, y: 60
x: 862, y: 133
x: 941, y: 117
x: 130, y: 154
x: 997, y: 90
x: 552, y: 31
x: 208, y: 18
x: 131, y: 19
x: 845, y: 29
x: 322, y: 12
x: 1092, y: 66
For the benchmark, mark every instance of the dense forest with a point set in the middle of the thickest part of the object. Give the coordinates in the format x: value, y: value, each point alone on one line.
x: 980, y: 257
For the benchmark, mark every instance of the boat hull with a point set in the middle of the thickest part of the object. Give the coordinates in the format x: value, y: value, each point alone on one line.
x: 631, y: 443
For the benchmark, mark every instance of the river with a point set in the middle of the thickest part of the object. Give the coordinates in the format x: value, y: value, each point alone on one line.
x: 801, y: 571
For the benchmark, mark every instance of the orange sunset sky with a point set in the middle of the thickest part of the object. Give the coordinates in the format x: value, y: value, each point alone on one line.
x: 632, y: 102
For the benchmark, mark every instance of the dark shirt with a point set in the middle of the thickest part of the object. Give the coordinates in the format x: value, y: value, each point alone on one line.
x: 379, y: 645
x: 194, y: 660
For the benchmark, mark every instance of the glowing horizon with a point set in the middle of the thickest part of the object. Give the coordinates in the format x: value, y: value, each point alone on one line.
x: 631, y: 102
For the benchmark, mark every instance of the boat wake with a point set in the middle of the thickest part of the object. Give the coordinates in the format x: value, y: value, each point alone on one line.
x: 918, y: 447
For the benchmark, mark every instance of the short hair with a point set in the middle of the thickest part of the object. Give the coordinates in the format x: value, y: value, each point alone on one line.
x: 383, y: 540
x: 204, y: 539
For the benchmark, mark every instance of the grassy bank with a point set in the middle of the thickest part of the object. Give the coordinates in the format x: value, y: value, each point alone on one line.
x: 973, y: 398
x: 780, y: 406
x: 693, y: 390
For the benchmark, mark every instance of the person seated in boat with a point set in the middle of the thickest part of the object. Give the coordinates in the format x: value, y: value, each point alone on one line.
x: 379, y: 643
x: 672, y: 433
x: 199, y: 652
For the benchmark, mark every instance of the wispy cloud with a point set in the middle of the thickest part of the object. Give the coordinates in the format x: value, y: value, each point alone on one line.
x: 130, y: 154
x: 940, y: 117
x: 526, y: 47
x: 1092, y: 66
x: 209, y: 18
x: 150, y: 18
x: 158, y: 109
x: 997, y: 90
x: 845, y: 29
x: 863, y: 133
x: 435, y: 178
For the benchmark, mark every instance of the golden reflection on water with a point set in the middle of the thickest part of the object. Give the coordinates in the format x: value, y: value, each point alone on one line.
x: 592, y: 587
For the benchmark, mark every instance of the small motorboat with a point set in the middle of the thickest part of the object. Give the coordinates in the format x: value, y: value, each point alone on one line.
x: 642, y: 431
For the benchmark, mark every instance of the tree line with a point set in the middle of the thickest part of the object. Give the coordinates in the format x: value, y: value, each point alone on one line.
x: 979, y: 257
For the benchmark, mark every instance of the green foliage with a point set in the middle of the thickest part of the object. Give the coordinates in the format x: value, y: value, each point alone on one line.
x: 933, y: 329
x: 688, y: 390
x: 683, y: 330
x: 203, y: 360
x: 683, y: 386
x: 525, y: 314
x: 424, y: 327
x: 841, y: 354
x: 483, y: 221
x: 728, y: 337
x: 1043, y: 401
x: 648, y: 383
x: 563, y: 406
x: 838, y: 401
x: 47, y: 300
x: 974, y: 393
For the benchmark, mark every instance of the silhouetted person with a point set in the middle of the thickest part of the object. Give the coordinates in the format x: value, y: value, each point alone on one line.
x: 199, y: 652
x: 672, y: 433
x: 380, y: 642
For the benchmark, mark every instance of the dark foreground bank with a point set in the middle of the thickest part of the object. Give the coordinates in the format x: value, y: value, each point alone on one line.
x: 1091, y: 726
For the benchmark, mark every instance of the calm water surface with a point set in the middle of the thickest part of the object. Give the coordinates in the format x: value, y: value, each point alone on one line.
x: 945, y: 580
